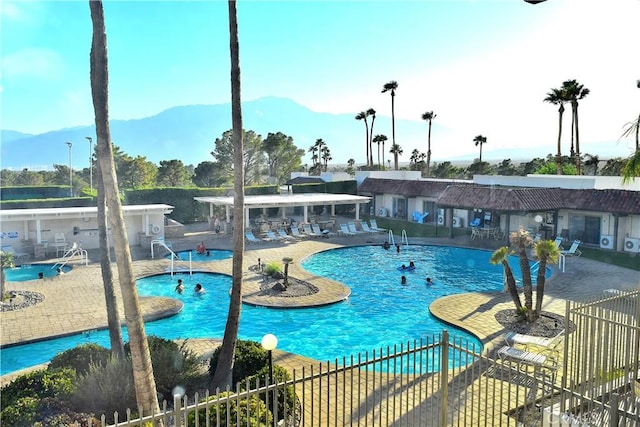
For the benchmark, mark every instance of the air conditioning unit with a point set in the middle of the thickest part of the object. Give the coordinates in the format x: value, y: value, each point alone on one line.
x: 440, y: 219
x: 631, y: 245
x: 457, y: 222
x: 382, y: 212
x: 606, y: 241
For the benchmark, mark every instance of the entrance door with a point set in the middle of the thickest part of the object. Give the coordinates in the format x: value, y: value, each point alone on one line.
x: 585, y: 228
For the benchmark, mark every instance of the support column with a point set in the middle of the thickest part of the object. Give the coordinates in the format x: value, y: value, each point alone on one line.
x: 38, y: 231
x: 357, y: 211
x: 246, y: 217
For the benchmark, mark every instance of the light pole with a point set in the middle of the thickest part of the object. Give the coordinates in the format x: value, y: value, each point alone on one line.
x: 88, y: 138
x: 70, y: 171
x: 269, y: 343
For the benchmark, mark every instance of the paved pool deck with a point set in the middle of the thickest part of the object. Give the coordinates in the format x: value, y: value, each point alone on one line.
x: 74, y: 302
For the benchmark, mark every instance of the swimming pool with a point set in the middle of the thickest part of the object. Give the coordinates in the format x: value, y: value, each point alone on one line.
x: 24, y: 272
x: 378, y: 313
x: 214, y: 255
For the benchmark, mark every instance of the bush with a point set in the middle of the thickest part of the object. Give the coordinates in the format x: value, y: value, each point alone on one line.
x: 21, y: 413
x: 235, y: 413
x: 173, y: 364
x: 286, y: 396
x: 250, y: 358
x: 80, y: 358
x: 272, y: 268
x: 106, y: 389
x: 38, y: 384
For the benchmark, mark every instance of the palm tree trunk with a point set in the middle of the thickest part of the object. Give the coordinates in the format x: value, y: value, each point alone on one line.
x: 578, y: 163
x: 429, y: 150
x: 637, y: 128
x: 540, y: 282
x: 393, y: 120
x: 371, y: 141
x: 559, y: 154
x: 143, y: 379
x: 368, y: 141
x: 527, y: 286
x: 222, y: 378
x: 113, y: 317
x: 480, y: 161
x: 383, y: 153
x: 511, y: 285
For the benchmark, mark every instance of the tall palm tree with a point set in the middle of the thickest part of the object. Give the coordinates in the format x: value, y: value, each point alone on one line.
x: 521, y: 240
x: 378, y: 139
x: 222, y: 378
x: 633, y: 126
x: 143, y: 379
x: 326, y: 156
x: 429, y: 116
x: 391, y: 87
x: 545, y: 251
x: 575, y: 92
x: 371, y: 112
x: 362, y: 115
x: 500, y: 256
x: 558, y: 97
x: 396, y: 150
x: 480, y: 140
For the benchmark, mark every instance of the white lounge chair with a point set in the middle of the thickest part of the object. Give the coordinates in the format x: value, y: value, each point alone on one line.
x: 558, y: 241
x: 283, y: 234
x: 514, y: 339
x: 573, y: 250
x: 309, y: 232
x: 365, y: 228
x: 352, y: 228
x: 319, y: 233
x: 345, y: 231
x: 16, y: 255
x: 272, y: 236
x: 251, y: 238
x: 295, y: 232
x: 374, y: 226
x: 534, y: 359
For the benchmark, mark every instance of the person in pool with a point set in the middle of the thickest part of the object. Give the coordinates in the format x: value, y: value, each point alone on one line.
x: 429, y: 281
x: 198, y: 289
x: 386, y: 246
x: 201, y: 248
x: 179, y: 287
x: 412, y: 265
x: 403, y: 280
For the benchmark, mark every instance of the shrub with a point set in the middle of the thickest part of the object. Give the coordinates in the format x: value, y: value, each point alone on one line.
x: 272, y: 268
x: 81, y: 357
x: 38, y: 384
x: 250, y: 358
x: 251, y: 412
x: 173, y: 364
x: 21, y: 413
x: 106, y: 389
x: 286, y: 396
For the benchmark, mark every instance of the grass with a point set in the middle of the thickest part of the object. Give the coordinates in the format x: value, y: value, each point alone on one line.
x: 620, y: 259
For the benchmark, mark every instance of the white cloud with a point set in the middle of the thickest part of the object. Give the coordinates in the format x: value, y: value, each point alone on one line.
x: 32, y: 62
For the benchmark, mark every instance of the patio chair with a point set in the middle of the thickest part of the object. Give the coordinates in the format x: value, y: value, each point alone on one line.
x: 352, y: 228
x: 558, y: 241
x: 366, y: 229
x: 573, y: 250
x: 537, y: 360
x: 320, y: 233
x: 550, y: 344
x: 295, y: 232
x: 475, y: 223
x: 283, y: 234
x: 345, y: 231
x: 374, y: 226
x: 251, y: 238
x: 16, y: 255
x: 272, y: 236
x: 309, y: 232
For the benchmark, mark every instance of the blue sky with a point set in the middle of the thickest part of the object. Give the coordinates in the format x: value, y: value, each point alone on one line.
x: 482, y: 66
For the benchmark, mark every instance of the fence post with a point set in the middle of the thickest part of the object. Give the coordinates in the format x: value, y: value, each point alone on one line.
x: 444, y: 377
x: 177, y: 409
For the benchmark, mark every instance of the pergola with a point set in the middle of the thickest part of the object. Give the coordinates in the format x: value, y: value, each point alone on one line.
x: 286, y: 200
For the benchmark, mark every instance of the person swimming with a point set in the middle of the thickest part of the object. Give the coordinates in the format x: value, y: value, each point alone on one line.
x: 386, y: 246
x: 412, y: 265
x: 198, y: 289
x: 201, y: 248
x: 179, y: 286
x: 429, y: 281
x: 403, y: 280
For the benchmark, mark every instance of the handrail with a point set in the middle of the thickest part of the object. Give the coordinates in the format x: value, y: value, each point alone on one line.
x: 76, y: 249
x: 403, y: 238
x: 392, y: 240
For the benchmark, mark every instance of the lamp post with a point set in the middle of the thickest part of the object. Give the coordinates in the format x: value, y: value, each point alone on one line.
x: 70, y: 171
x: 88, y: 138
x: 269, y: 343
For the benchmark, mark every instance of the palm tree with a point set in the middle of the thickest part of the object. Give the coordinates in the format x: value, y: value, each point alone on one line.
x: 396, y: 150
x: 633, y: 126
x: 391, y: 87
x: 222, y: 378
x: 558, y: 97
x: 500, y: 257
x: 326, y: 156
x: 7, y: 260
x: 362, y: 115
x: 575, y: 92
x: 480, y: 140
x: 143, y: 379
x: 429, y: 116
x: 545, y: 251
x: 371, y: 112
x: 631, y: 168
x: 521, y: 241
x: 380, y: 139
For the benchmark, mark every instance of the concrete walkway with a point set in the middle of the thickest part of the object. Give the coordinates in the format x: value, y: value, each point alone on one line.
x: 74, y: 302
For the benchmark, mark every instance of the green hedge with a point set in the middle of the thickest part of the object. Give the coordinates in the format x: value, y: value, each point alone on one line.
x: 34, y: 192
x: 68, y: 202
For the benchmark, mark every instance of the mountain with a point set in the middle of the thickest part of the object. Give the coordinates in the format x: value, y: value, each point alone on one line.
x: 188, y: 133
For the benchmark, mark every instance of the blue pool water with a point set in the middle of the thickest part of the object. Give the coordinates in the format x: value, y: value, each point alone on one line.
x: 22, y: 273
x: 379, y: 312
x: 214, y: 255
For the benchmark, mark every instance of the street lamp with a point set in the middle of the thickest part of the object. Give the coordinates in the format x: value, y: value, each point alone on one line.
x: 269, y: 343
x: 88, y: 138
x: 70, y: 171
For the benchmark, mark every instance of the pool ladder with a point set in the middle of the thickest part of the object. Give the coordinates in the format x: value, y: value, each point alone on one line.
x: 404, y: 240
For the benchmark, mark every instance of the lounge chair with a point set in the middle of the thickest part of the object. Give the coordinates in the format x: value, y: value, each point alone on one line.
x: 251, y: 238
x: 558, y: 241
x: 319, y: 233
x: 309, y: 232
x: 295, y: 232
x: 283, y: 234
x: 514, y: 339
x: 345, y: 231
x: 374, y: 226
x: 573, y: 250
x: 475, y: 223
x: 271, y: 236
x: 352, y: 228
x: 16, y: 255
x: 365, y: 228
x: 537, y: 360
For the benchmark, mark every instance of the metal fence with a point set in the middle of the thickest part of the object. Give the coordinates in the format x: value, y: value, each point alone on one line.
x: 444, y: 381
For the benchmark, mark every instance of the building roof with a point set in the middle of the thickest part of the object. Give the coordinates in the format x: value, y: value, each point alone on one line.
x: 278, y: 200
x: 77, y: 212
x: 407, y: 188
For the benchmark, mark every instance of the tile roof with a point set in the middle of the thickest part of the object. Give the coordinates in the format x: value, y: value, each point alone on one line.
x: 405, y: 188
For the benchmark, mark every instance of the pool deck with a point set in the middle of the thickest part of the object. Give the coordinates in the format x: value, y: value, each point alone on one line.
x: 74, y: 302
